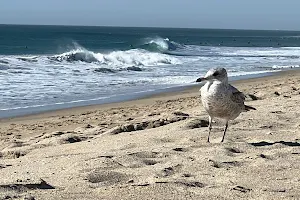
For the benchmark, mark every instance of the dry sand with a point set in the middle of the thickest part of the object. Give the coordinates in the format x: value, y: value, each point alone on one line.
x: 155, y: 148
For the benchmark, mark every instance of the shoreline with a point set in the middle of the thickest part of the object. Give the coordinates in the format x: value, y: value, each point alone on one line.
x: 157, y: 147
x: 39, y: 109
x: 143, y: 99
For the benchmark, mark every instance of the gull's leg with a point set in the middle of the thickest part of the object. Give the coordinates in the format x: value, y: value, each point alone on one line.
x: 225, y: 129
x: 209, y: 127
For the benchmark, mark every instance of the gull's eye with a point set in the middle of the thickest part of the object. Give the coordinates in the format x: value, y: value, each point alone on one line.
x: 216, y: 74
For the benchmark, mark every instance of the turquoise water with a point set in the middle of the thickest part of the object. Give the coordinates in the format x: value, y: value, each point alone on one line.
x: 47, y: 67
x: 58, y: 39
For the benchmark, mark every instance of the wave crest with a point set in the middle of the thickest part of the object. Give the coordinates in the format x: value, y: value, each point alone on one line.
x: 159, y: 45
x: 137, y: 57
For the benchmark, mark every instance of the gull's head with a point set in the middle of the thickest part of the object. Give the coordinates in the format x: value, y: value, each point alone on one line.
x: 215, y: 74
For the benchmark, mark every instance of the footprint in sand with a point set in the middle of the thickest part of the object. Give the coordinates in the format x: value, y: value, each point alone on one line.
x: 150, y: 162
x: 180, y: 149
x: 107, y: 178
x: 233, y: 151
x: 40, y: 184
x: 146, y: 154
x: 139, y: 159
x: 226, y: 164
x: 196, y: 123
x: 169, y: 171
x: 57, y: 138
x: 144, y: 125
x: 102, y: 163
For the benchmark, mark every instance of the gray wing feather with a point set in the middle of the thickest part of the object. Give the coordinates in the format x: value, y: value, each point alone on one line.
x: 237, y: 96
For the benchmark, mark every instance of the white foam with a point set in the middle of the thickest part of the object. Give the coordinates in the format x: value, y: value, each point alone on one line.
x: 244, y: 73
x: 29, y: 81
x: 292, y: 48
x: 137, y: 57
x: 131, y: 57
x: 284, y: 66
x: 160, y: 42
x: 261, y: 51
x: 195, y: 50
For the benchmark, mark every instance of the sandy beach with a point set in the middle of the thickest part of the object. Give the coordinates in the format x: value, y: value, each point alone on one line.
x: 155, y: 148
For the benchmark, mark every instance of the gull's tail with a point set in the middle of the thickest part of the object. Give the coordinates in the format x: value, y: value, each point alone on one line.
x: 248, y: 108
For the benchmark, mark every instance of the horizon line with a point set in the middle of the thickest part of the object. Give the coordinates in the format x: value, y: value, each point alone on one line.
x: 158, y: 27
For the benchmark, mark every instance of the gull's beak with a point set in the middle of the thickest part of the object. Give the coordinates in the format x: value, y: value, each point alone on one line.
x: 201, y: 79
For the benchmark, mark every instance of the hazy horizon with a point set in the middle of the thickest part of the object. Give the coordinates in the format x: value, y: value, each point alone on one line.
x: 212, y: 28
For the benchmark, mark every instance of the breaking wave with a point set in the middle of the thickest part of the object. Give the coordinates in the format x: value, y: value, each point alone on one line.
x: 159, y: 45
x: 132, y: 57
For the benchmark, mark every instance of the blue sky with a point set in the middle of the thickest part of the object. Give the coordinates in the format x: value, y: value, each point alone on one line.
x: 240, y: 14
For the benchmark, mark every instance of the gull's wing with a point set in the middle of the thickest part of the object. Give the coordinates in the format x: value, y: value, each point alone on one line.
x: 237, y: 96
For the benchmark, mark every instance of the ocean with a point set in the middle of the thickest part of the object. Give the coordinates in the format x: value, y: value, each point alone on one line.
x: 51, y: 67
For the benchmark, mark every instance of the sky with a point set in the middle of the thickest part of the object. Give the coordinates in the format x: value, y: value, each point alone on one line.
x: 228, y: 14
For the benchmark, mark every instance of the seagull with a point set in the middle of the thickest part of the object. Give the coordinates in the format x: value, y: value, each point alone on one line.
x: 220, y: 99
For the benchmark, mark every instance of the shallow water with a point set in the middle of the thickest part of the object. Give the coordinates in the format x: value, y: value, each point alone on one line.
x: 59, y: 66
